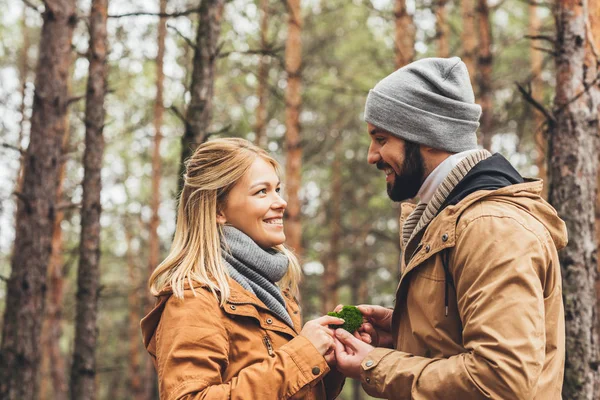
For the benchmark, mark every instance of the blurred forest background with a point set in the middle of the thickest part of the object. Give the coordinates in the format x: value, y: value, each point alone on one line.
x: 101, y: 101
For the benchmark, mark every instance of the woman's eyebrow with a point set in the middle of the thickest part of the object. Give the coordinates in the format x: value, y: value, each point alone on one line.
x: 268, y: 184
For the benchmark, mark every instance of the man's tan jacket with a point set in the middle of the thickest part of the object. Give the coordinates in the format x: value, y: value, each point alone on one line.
x: 503, y: 336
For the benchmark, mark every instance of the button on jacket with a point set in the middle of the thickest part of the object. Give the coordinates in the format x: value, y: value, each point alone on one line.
x: 239, y: 351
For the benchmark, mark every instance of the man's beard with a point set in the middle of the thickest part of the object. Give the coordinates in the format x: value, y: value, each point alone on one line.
x: 407, y: 184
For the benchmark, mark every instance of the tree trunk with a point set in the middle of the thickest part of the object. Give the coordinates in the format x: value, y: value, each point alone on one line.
x: 263, y: 75
x: 293, y: 102
x: 26, y: 288
x: 359, y: 296
x: 442, y: 30
x: 573, y: 170
x: 484, y: 69
x: 329, y: 294
x: 405, y: 34
x: 537, y: 93
x: 133, y: 300
x: 23, y: 72
x: 54, y: 378
x: 199, y: 112
x: 83, y: 370
x: 468, y: 37
x: 145, y: 368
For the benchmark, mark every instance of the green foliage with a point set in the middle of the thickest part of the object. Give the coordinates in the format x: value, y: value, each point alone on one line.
x: 352, y: 318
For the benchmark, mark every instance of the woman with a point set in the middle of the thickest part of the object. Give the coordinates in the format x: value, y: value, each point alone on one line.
x: 222, y: 327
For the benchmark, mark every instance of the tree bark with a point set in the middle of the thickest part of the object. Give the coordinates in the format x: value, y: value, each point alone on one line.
x: 484, y: 76
x: 144, y: 368
x: 573, y: 168
x: 54, y: 378
x: 199, y: 112
x: 26, y: 287
x: 329, y: 294
x: 442, y: 30
x: 405, y: 35
x: 263, y: 75
x: 23, y: 72
x: 133, y: 300
x: 537, y: 93
x: 83, y: 370
x: 468, y: 37
x: 293, y: 102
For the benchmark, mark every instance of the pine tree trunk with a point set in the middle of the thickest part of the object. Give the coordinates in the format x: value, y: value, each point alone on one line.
x: 263, y: 75
x: 442, y: 30
x: 293, y: 102
x: 199, y: 112
x: 145, y: 368
x: 23, y: 72
x: 83, y: 370
x: 329, y: 294
x: 26, y: 288
x: 134, y: 302
x: 53, y: 364
x: 468, y: 37
x: 405, y: 34
x: 594, y: 18
x: 484, y: 76
x: 537, y: 93
x: 573, y: 169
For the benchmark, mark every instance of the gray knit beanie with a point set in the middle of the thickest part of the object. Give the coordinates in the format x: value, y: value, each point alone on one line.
x: 429, y: 102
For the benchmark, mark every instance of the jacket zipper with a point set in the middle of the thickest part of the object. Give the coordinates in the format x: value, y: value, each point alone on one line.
x: 269, y: 346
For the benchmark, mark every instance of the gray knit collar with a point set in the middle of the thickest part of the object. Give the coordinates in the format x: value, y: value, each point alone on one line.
x: 256, y: 269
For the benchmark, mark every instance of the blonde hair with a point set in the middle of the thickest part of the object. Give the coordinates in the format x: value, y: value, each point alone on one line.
x: 195, y: 255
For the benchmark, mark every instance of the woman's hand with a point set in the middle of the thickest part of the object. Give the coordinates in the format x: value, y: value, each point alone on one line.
x: 319, y: 334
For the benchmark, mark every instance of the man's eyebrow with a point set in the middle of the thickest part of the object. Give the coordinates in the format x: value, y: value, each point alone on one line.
x: 268, y: 184
x: 375, y: 131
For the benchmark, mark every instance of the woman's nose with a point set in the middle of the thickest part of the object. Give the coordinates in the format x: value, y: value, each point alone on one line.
x: 279, y: 203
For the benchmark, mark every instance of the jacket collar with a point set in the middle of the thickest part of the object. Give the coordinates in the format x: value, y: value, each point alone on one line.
x: 440, y: 234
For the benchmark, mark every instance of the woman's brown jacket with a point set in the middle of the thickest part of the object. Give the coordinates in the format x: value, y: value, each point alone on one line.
x: 239, y: 351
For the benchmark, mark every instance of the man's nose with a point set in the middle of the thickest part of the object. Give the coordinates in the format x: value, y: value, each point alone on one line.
x: 373, y: 156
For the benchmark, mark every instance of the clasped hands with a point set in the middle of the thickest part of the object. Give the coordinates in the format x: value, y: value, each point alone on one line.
x: 344, y: 350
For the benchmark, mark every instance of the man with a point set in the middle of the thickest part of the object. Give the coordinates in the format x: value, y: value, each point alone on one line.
x: 478, y: 311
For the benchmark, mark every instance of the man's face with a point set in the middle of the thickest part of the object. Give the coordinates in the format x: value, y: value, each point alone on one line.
x: 400, y: 160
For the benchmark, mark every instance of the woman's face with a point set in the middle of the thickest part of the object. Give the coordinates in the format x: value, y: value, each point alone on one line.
x: 255, y: 207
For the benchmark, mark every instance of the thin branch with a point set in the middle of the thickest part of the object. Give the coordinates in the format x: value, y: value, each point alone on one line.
x: 544, y: 50
x: 13, y: 147
x: 189, y: 41
x: 224, y: 129
x: 152, y: 14
x: 178, y: 114
x: 66, y: 205
x: 584, y: 91
x: 264, y: 52
x: 75, y: 99
x: 3, y: 278
x: 32, y: 6
x: 541, y: 37
x: 527, y: 94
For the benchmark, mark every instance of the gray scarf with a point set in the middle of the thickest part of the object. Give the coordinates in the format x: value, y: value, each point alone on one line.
x: 256, y: 269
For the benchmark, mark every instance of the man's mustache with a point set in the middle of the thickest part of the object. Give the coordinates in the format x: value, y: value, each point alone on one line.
x: 382, y: 165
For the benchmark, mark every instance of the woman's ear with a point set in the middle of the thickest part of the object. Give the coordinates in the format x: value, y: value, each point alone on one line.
x: 221, y: 218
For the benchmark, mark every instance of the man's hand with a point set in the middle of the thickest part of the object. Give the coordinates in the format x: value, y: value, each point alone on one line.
x: 378, y: 325
x: 364, y: 336
x: 349, y: 353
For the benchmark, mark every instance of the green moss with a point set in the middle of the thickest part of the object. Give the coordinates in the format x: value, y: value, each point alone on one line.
x: 352, y: 318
